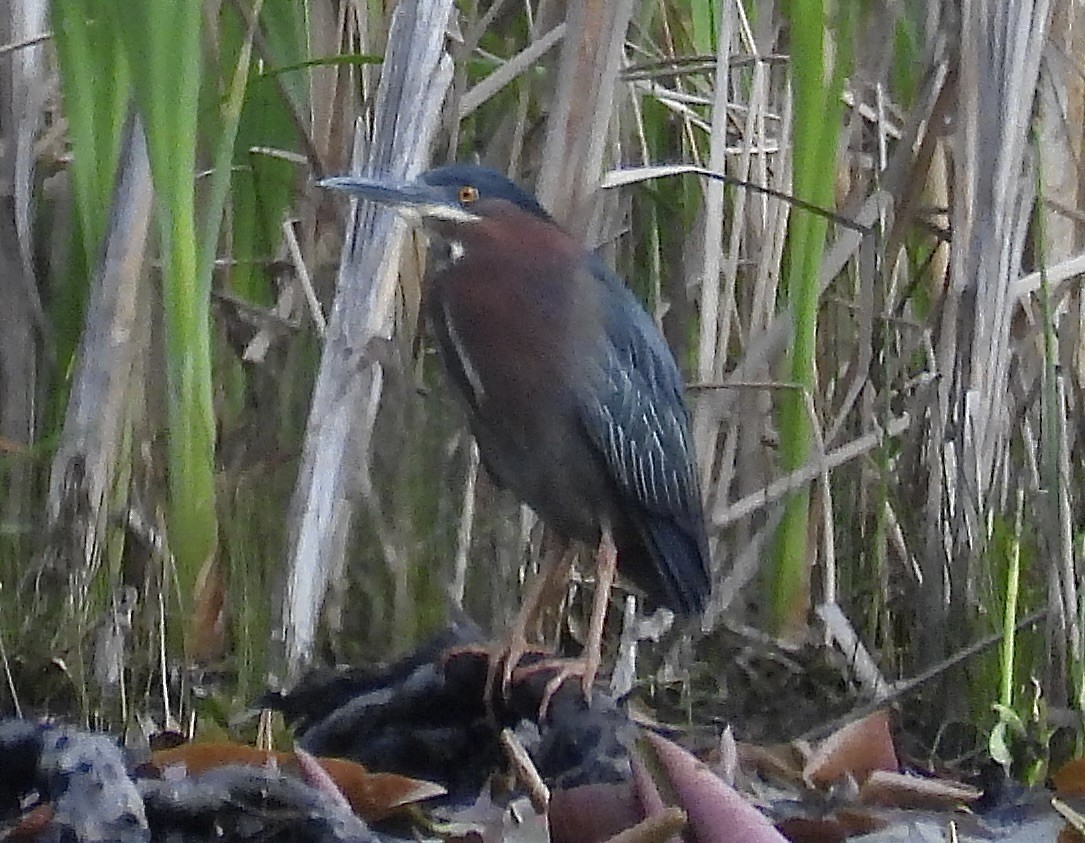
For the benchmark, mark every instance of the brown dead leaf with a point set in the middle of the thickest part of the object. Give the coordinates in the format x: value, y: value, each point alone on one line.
x: 592, y: 813
x: 810, y: 830
x: 373, y: 796
x: 207, y: 623
x: 780, y: 763
x: 857, y: 749
x: 612, y: 813
x: 198, y: 758
x: 1069, y: 779
x: 857, y: 821
x: 32, y: 825
x: 899, y: 790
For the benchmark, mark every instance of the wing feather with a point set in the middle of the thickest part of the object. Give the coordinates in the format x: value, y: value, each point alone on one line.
x: 636, y: 416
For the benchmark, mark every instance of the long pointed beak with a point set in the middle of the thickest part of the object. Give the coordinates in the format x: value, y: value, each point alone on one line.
x: 412, y: 199
x: 405, y: 195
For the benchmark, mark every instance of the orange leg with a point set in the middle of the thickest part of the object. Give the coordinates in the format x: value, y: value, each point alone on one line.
x: 587, y: 666
x: 551, y: 579
x: 503, y: 658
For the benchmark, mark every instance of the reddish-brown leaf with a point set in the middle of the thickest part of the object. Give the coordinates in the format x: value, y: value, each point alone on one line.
x: 858, y: 821
x: 857, y: 749
x: 592, y: 813
x: 1069, y: 779
x: 207, y: 623
x: 1069, y: 834
x: 779, y: 763
x: 898, y: 790
x: 373, y: 796
x: 809, y: 830
x: 33, y: 824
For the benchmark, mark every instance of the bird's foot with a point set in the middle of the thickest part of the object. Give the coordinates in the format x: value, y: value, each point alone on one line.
x: 507, y: 659
x: 585, y: 667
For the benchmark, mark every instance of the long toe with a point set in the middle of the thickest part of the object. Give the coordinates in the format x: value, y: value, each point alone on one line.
x: 562, y: 670
x: 515, y: 650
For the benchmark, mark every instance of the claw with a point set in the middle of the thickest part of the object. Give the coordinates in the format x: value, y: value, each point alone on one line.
x: 514, y: 653
x: 501, y: 661
x: 585, y: 668
x: 504, y: 661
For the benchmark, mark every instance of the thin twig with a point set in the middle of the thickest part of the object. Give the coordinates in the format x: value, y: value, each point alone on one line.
x: 10, y: 679
x: 906, y: 686
x: 527, y: 774
x: 301, y: 273
x: 796, y: 479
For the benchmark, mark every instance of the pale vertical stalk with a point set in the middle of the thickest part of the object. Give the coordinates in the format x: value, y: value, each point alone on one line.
x: 414, y: 80
x: 467, y: 520
x: 576, y: 131
x: 750, y: 138
x: 1002, y: 42
x: 22, y: 324
x: 708, y: 368
x: 99, y: 404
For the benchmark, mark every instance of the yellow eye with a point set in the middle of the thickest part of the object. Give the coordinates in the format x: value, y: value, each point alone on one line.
x: 468, y: 194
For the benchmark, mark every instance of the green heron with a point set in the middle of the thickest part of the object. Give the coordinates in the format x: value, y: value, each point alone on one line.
x: 570, y: 390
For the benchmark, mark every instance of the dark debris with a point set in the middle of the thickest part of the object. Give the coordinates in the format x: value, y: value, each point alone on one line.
x: 422, y: 717
x: 59, y: 783
x: 246, y: 803
x: 425, y: 717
